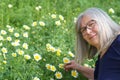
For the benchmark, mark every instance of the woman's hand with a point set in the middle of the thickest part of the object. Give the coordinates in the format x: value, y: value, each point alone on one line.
x: 86, y: 71
x: 71, y: 65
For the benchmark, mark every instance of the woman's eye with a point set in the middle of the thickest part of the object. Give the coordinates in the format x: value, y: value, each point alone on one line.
x: 82, y: 30
x: 91, y: 24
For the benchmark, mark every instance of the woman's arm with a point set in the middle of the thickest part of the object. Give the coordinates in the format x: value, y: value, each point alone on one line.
x: 86, y: 71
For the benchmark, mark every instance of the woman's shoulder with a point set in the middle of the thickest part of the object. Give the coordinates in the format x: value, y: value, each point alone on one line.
x: 118, y: 36
x: 116, y: 42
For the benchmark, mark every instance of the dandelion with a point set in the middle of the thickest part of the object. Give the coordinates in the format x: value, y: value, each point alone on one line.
x: 53, y: 16
x: 61, y: 17
x: 26, y: 27
x: 16, y: 42
x: 4, y: 62
x: 66, y: 30
x: 34, y: 24
x: 48, y: 49
x: 93, y: 65
x: 52, y: 49
x: 64, y: 21
x: 51, y: 79
x: 20, y: 52
x: 36, y: 78
x: 90, y: 60
x: 27, y: 57
x: 14, y: 54
x: 1, y: 44
x: 1, y: 38
x: 66, y: 60
x: 3, y: 32
x: 42, y: 23
x: 53, y: 68
x: 74, y: 73
x: 8, y: 26
x: 25, y: 34
x: 48, y: 45
x: 4, y: 55
x: 75, y: 19
x: 58, y: 23
x: 4, y: 50
x: 71, y: 54
x: 44, y: 59
x: 87, y: 65
x: 111, y: 10
x: 58, y: 75
x: 48, y: 66
x: 61, y: 66
x: 10, y: 6
x: 25, y: 45
x: 11, y: 30
x: 58, y: 51
x: 37, y: 57
x: 38, y: 8
x: 9, y: 38
x: 16, y: 35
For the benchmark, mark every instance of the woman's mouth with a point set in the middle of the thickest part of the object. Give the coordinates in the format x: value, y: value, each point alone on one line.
x: 92, y: 37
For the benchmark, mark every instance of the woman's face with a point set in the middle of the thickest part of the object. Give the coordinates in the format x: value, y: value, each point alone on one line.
x: 89, y: 30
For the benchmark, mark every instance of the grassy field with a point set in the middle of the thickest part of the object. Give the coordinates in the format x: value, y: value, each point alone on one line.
x: 37, y: 37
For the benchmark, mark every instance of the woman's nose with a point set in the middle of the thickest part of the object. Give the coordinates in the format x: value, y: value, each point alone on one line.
x: 88, y: 31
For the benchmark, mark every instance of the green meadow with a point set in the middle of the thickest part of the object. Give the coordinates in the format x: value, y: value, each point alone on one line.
x: 37, y: 37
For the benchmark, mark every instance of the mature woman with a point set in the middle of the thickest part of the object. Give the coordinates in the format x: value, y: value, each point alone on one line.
x: 98, y: 34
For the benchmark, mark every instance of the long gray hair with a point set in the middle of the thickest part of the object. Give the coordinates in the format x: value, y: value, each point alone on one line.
x: 107, y: 30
